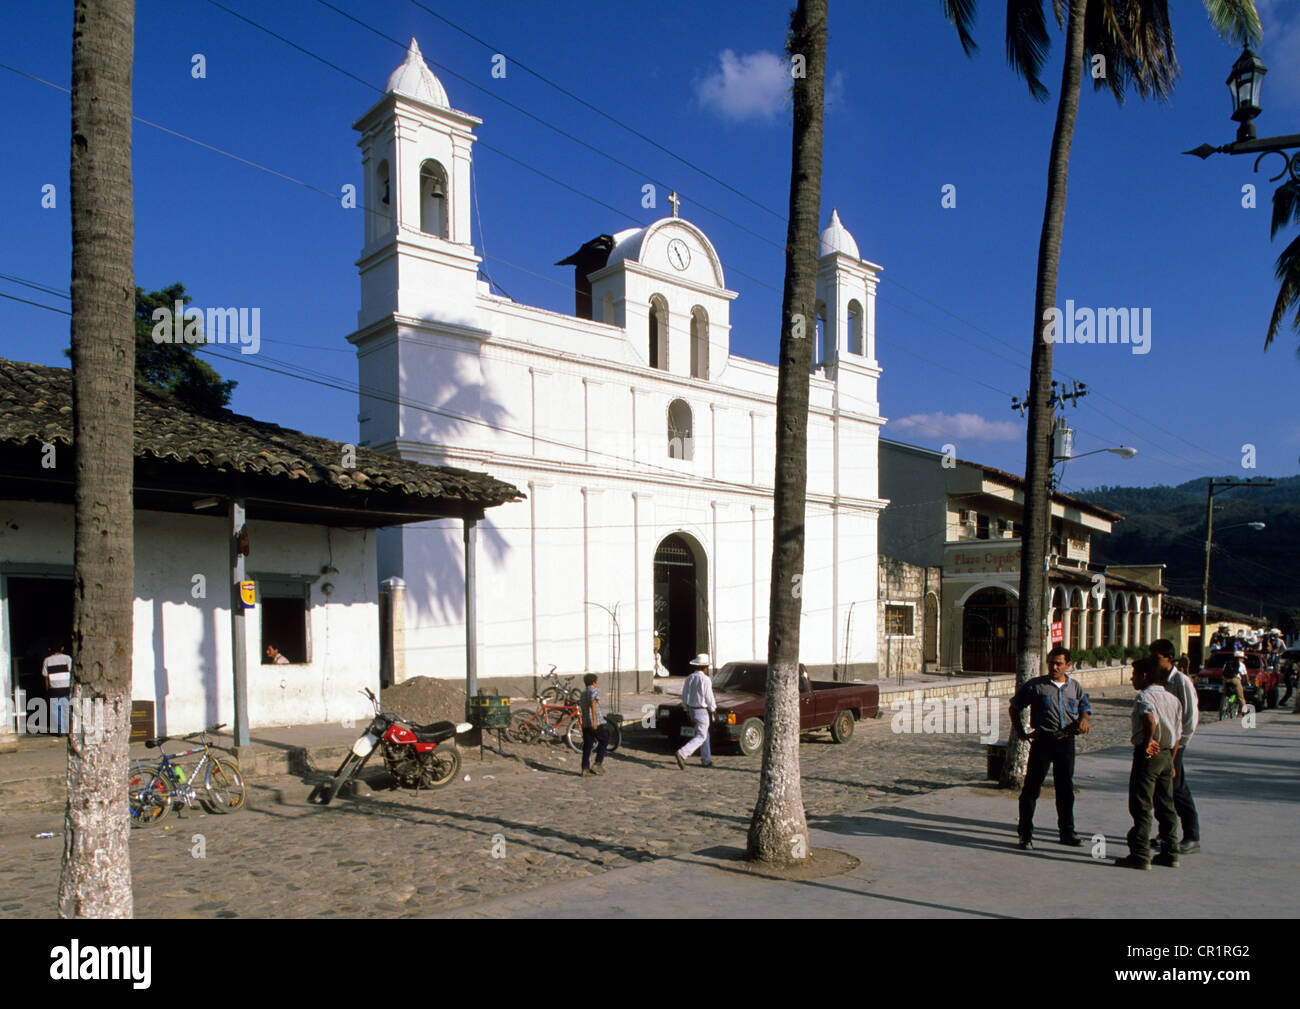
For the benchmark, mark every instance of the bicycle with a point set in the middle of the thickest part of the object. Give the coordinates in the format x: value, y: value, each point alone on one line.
x: 1229, y: 705
x: 560, y: 691
x: 153, y: 788
x: 555, y: 722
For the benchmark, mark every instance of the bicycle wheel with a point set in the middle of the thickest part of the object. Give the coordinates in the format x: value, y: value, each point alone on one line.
x: 615, y: 736
x: 552, y: 695
x: 523, y: 727
x: 439, y: 767
x: 556, y: 724
x: 224, y: 785
x: 574, y: 735
x: 148, y: 796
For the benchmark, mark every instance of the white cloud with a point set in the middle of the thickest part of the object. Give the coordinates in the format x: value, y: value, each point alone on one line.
x: 749, y: 86
x: 1280, y: 51
x: 958, y: 427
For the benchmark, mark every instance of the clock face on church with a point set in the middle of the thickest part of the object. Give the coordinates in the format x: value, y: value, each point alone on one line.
x: 679, y: 254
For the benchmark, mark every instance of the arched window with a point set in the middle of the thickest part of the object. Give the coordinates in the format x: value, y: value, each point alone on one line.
x: 856, y: 345
x: 382, y: 219
x: 681, y: 430
x: 658, y: 333
x: 699, y: 343
x: 825, y: 335
x: 433, y: 199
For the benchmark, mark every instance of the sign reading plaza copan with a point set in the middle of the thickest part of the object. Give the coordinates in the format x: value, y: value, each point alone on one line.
x: 994, y: 560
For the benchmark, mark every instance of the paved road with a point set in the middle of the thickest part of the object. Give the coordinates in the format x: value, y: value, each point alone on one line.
x: 516, y: 826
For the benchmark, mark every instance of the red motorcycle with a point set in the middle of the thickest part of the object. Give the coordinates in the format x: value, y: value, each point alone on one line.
x: 418, y: 756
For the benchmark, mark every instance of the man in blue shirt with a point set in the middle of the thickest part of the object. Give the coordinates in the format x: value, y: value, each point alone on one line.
x: 594, y: 732
x: 1058, y: 710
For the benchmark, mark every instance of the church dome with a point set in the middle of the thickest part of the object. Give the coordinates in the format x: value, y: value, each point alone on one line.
x: 415, y: 80
x: 836, y: 238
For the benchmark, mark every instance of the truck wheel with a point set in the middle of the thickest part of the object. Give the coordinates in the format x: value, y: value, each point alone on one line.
x: 842, y: 727
x: 751, y: 737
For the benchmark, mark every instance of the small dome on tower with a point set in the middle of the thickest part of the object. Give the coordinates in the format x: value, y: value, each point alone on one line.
x: 836, y: 238
x: 415, y: 80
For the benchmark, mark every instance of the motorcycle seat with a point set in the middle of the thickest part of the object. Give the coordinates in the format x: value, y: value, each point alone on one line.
x: 434, y: 732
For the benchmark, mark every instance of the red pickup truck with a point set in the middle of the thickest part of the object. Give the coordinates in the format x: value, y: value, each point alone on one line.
x: 740, y: 688
x: 1259, y: 681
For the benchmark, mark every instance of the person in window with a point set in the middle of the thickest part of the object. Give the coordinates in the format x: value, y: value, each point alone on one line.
x: 273, y: 657
x: 56, y: 671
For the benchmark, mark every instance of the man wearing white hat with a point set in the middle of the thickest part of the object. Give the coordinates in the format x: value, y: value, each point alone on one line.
x: 697, y: 699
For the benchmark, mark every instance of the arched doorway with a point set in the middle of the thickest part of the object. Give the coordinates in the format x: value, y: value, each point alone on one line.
x: 681, y: 602
x: 931, y: 639
x: 988, y: 632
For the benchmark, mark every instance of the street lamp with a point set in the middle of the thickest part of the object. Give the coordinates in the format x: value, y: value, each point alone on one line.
x: 1244, y: 84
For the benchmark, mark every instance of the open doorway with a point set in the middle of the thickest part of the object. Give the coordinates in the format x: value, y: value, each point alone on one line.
x: 40, y: 620
x: 681, y: 606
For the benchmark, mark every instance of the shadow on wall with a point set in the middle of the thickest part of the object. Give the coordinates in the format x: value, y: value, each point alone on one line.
x: 436, y: 582
x: 175, y: 662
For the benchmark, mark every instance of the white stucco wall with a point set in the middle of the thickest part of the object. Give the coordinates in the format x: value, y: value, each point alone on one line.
x: 182, y: 643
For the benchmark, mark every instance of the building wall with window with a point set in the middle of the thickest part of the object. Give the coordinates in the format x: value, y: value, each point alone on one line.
x: 909, y: 618
x: 630, y: 425
x: 182, y: 613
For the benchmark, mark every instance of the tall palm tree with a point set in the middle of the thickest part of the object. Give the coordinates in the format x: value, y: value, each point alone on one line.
x: 1135, y: 40
x: 1286, y: 210
x: 96, y: 877
x: 778, y: 832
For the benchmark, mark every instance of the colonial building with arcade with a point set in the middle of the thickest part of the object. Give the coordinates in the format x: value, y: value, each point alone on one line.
x: 644, y: 446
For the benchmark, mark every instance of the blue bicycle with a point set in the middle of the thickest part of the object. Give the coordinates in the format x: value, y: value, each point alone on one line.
x: 215, y: 783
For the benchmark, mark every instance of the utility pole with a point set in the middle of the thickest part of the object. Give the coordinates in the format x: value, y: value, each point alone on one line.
x: 1214, y: 484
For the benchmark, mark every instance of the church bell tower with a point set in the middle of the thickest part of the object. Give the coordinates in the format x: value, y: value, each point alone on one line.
x: 418, y: 258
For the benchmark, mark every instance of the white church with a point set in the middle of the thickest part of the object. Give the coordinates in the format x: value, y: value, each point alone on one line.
x: 645, y: 447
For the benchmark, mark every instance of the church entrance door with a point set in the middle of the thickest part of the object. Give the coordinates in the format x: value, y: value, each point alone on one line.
x: 681, y: 609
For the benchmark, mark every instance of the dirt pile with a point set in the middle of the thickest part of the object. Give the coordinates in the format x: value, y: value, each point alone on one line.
x: 424, y: 699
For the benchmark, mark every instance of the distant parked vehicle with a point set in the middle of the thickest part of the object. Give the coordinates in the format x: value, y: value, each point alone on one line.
x: 740, y: 689
x: 1259, y: 681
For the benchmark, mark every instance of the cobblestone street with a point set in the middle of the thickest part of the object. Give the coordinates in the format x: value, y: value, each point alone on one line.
x: 399, y: 853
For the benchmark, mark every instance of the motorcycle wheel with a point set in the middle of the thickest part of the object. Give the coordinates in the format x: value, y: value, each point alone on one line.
x: 439, y: 767
x: 324, y: 794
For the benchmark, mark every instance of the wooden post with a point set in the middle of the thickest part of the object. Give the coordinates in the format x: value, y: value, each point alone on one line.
x: 471, y: 612
x: 238, y: 631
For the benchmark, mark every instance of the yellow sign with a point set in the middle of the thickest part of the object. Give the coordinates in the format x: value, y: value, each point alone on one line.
x: 247, y: 596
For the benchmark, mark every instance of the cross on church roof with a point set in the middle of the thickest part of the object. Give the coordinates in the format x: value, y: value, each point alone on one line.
x: 675, y: 200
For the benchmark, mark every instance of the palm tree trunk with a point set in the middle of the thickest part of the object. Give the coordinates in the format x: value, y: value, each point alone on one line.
x: 778, y: 832
x: 1030, y: 632
x: 96, y: 877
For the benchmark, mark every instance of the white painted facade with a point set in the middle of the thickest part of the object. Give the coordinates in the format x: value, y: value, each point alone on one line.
x: 577, y: 413
x: 182, y: 646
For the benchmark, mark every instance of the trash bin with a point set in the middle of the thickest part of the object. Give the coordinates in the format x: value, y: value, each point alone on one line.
x: 997, y: 758
x: 489, y: 712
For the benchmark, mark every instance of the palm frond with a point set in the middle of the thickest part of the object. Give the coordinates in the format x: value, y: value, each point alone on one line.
x: 1137, y: 41
x: 961, y: 15
x: 1236, y: 20
x: 1028, y: 43
x: 1286, y: 206
x: 1288, y: 294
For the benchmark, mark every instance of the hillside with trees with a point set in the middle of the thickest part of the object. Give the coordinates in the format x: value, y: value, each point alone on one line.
x: 1251, y: 571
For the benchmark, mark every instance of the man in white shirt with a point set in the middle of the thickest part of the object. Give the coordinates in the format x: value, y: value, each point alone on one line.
x: 698, y: 702
x: 1157, y: 732
x: 57, y: 673
x: 1162, y: 650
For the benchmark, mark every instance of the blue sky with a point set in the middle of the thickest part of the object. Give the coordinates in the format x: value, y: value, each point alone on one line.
x: 1145, y: 227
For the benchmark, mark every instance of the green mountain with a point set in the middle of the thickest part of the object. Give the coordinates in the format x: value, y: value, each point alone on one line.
x: 1250, y: 571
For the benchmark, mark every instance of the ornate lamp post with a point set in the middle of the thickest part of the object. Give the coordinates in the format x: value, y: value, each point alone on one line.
x: 1244, y: 84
